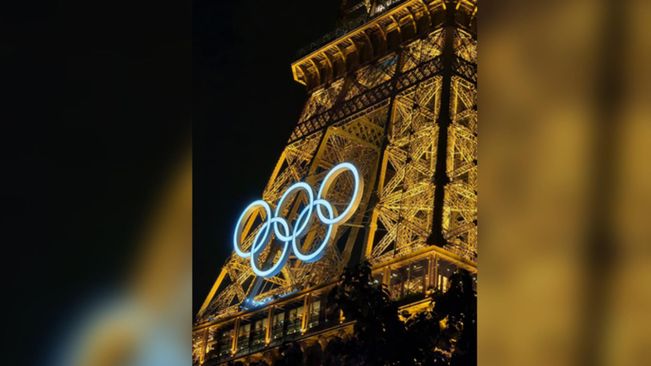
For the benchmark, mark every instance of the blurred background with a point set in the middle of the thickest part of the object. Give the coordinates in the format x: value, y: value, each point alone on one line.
x: 245, y: 105
x: 96, y: 182
x: 565, y: 128
x: 98, y: 168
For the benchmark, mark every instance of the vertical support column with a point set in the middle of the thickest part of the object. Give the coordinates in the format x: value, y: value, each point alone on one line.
x: 441, y: 178
x: 306, y: 303
x: 370, y: 234
x: 425, y: 279
x: 431, y: 272
x: 285, y: 322
x: 267, y: 336
x: 381, y: 164
x: 236, y: 331
x: 436, y: 271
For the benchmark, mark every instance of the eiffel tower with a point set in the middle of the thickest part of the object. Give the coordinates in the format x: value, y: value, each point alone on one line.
x: 393, y: 93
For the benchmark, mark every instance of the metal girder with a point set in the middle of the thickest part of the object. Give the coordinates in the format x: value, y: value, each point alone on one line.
x: 382, y: 117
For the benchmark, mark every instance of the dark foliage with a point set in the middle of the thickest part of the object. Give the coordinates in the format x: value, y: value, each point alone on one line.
x: 445, y: 335
x: 290, y: 355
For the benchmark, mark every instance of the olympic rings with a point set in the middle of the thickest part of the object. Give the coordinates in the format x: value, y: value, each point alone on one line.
x: 286, y: 232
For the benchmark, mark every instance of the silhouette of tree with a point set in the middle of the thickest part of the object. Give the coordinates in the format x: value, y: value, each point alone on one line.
x: 445, y: 335
x: 291, y: 354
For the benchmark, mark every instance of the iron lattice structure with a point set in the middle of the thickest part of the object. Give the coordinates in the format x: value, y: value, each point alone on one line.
x: 397, y: 98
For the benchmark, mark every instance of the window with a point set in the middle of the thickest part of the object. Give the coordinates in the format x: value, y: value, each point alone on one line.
x: 294, y: 319
x: 444, y: 270
x: 409, y: 280
x: 225, y: 342
x: 278, y: 325
x: 396, y: 281
x: 441, y: 283
x: 259, y: 333
x: 243, y: 338
x: 313, y: 318
x: 415, y: 283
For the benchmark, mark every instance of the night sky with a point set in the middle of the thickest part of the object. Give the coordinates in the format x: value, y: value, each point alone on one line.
x: 245, y: 105
x: 103, y: 98
x: 97, y: 107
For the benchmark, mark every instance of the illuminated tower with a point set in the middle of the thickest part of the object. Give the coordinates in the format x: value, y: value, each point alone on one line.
x: 395, y: 96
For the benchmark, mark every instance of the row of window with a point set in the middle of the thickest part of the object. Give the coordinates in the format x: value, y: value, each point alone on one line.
x: 406, y: 282
x: 252, y: 333
x: 414, y: 279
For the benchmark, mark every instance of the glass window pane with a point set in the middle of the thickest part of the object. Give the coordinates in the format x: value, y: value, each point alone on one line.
x: 259, y: 333
x: 396, y: 283
x: 416, y: 278
x: 313, y: 319
x: 444, y: 270
x: 243, y: 338
x: 225, y: 342
x: 295, y: 317
x: 278, y: 325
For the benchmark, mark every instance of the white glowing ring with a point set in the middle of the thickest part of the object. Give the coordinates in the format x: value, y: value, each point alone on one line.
x: 309, y: 207
x: 256, y: 248
x: 320, y: 250
x: 244, y: 217
x: 286, y: 232
x: 354, y: 201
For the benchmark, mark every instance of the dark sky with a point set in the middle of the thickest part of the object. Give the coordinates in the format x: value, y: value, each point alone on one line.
x: 99, y: 100
x: 245, y: 105
x: 96, y: 107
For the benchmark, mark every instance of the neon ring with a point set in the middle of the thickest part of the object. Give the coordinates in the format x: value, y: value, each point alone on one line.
x: 279, y: 228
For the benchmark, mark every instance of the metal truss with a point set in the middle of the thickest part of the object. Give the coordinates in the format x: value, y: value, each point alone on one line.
x: 420, y: 61
x: 385, y: 118
x: 236, y: 278
x: 355, y: 140
x: 402, y: 218
x: 460, y: 207
x: 465, y: 46
x: 409, y: 20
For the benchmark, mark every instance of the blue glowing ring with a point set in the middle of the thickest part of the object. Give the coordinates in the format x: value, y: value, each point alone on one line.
x: 283, y: 230
x: 246, y: 214
x: 257, y: 244
x: 309, y: 207
x: 320, y: 250
x: 354, y: 200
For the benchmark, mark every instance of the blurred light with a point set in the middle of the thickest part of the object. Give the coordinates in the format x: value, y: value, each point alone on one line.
x: 565, y: 265
x: 146, y: 320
